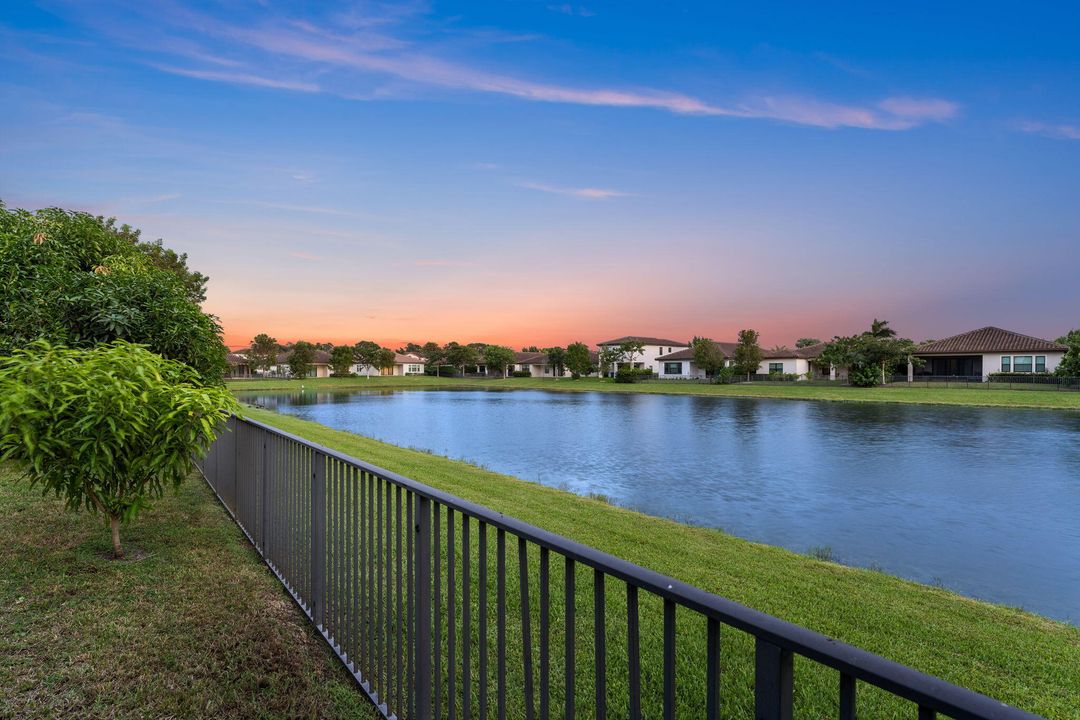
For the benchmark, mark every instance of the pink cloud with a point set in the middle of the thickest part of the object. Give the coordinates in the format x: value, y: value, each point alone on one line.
x: 237, y: 78
x: 1059, y: 132
x: 586, y: 193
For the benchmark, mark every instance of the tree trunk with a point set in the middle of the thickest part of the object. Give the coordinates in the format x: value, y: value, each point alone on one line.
x: 118, y: 552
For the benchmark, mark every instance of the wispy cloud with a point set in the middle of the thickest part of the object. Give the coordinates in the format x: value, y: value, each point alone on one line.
x: 304, y: 255
x: 313, y: 209
x: 1050, y: 130
x: 586, y: 193
x: 347, y: 63
x: 438, y: 262
x: 240, y: 78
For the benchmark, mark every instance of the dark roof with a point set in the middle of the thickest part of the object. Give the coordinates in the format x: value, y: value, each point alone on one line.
x: 727, y: 348
x: 407, y: 359
x: 989, y: 339
x: 237, y: 359
x: 530, y: 358
x: 321, y: 357
x: 805, y: 353
x: 645, y: 340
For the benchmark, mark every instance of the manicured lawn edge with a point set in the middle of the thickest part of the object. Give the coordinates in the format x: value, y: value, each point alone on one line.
x: 1014, y: 656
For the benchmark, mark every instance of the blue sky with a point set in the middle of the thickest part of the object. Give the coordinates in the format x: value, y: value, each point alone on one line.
x: 543, y: 172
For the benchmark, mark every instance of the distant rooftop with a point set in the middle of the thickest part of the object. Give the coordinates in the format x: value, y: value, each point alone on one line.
x: 989, y: 339
x: 645, y: 340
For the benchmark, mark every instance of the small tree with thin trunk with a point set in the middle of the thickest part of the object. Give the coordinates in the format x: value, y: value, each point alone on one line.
x: 341, y: 360
x: 748, y: 353
x: 708, y: 356
x: 556, y: 357
x: 631, y: 349
x: 263, y: 352
x: 106, y: 429
x: 578, y: 360
x: 499, y: 357
x: 383, y: 359
x: 301, y: 359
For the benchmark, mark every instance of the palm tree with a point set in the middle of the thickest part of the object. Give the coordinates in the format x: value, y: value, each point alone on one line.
x: 881, y: 329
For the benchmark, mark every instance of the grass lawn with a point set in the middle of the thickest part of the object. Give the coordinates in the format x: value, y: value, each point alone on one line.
x: 193, y: 625
x: 1051, y: 399
x: 1017, y: 657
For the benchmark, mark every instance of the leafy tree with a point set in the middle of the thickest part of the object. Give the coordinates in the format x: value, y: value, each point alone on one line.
x: 263, y: 352
x: 433, y: 354
x: 610, y: 357
x: 707, y: 355
x: 79, y: 280
x: 365, y: 352
x: 530, y: 348
x: 806, y: 342
x: 409, y: 348
x: 499, y: 357
x: 1070, y: 363
x: 577, y: 359
x: 301, y: 359
x: 556, y: 357
x: 460, y: 356
x: 383, y: 359
x: 869, y: 356
x: 631, y: 349
x: 106, y: 429
x: 748, y: 353
x: 341, y: 360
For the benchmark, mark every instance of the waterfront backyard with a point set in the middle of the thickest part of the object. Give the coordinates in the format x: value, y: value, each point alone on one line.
x: 978, y: 500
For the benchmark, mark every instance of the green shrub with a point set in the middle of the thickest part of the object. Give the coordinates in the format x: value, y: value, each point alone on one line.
x: 866, y: 376
x: 107, y: 429
x: 632, y: 375
x: 521, y: 374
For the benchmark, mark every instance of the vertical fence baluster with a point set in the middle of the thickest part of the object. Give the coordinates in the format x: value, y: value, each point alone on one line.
x: 545, y: 632
x: 423, y: 609
x: 926, y: 713
x: 466, y: 627
x: 526, y: 628
x: 400, y: 615
x: 482, y: 588
x: 451, y: 618
x: 371, y: 614
x: 773, y: 681
x: 669, y: 660
x: 712, y: 669
x: 570, y: 633
x: 387, y: 625
x: 633, y: 651
x: 318, y: 537
x: 380, y: 640
x: 500, y: 620
x: 410, y: 616
x: 437, y: 607
x: 600, y: 644
x: 847, y: 697
x: 354, y: 564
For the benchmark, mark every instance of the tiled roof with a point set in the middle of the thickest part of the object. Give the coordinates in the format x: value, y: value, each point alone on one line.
x: 687, y: 354
x: 644, y: 340
x: 989, y: 339
x: 321, y: 357
x: 407, y: 359
x: 804, y: 353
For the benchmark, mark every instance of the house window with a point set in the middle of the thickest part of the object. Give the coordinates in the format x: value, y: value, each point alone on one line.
x: 673, y: 368
x: 776, y: 368
x: 1006, y: 363
x: 1022, y: 363
x: 413, y: 369
x: 1040, y: 363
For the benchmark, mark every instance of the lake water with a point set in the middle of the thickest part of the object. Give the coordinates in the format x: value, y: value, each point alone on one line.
x: 984, y: 501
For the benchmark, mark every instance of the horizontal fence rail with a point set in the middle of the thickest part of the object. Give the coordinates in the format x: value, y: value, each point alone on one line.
x: 441, y: 608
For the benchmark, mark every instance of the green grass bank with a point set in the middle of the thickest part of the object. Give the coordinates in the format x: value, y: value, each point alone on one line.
x: 1046, y: 399
x: 1014, y: 656
x: 192, y: 626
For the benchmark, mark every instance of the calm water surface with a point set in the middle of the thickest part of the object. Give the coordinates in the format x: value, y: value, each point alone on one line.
x: 984, y: 501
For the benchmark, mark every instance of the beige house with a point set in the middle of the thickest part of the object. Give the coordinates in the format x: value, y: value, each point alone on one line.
x: 404, y: 364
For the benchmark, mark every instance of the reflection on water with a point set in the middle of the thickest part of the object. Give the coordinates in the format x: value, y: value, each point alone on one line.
x: 983, y: 500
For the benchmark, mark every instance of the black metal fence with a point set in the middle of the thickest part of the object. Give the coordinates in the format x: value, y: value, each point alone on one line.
x: 441, y: 608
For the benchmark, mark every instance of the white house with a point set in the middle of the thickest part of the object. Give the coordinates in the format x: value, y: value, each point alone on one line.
x: 988, y: 350
x: 653, y: 350
x: 537, y: 365
x: 404, y: 364
x: 800, y: 361
x: 320, y: 366
x: 680, y: 365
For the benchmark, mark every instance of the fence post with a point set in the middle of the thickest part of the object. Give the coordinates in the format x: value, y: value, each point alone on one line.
x: 422, y: 688
x: 773, y: 682
x: 318, y: 537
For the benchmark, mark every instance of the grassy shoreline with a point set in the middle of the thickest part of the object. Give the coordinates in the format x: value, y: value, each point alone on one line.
x: 979, y: 397
x: 1017, y: 657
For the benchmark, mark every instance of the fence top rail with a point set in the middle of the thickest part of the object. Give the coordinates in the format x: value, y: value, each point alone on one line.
x: 900, y: 680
